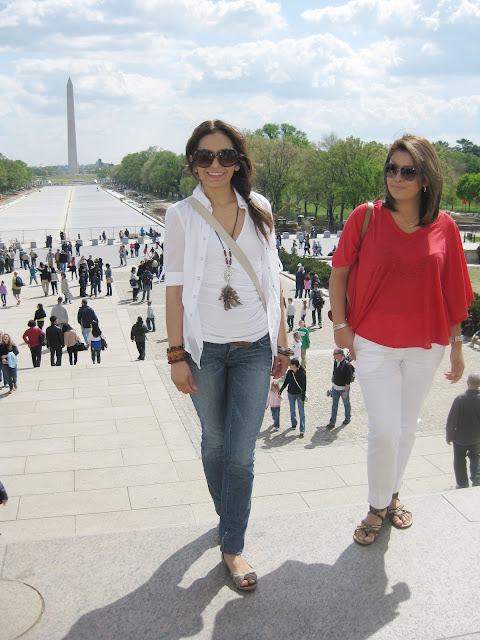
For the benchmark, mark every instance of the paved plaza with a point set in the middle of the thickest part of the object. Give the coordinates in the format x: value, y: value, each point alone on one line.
x: 109, y: 529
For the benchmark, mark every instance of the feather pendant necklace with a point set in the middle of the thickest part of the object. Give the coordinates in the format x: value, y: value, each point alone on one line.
x: 228, y: 295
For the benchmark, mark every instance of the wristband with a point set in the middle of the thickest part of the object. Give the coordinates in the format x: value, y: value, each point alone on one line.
x: 342, y: 325
x: 285, y: 351
x: 455, y: 339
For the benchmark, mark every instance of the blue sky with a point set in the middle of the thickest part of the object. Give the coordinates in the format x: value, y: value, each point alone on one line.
x: 147, y: 72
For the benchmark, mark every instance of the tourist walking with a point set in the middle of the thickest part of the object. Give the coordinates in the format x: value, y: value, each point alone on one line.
x: 274, y: 400
x: 54, y: 280
x: 64, y: 286
x: 40, y: 315
x: 45, y: 278
x: 341, y: 379
x: 60, y: 312
x: 71, y: 340
x: 304, y: 334
x: 150, y: 317
x: 17, y: 284
x: 34, y: 337
x: 109, y: 279
x: 137, y: 335
x: 296, y: 381
x: 3, y: 293
x: 224, y: 330
x: 55, y: 342
x: 463, y: 430
x: 397, y: 324
x: 97, y: 342
x: 8, y: 357
x: 86, y: 315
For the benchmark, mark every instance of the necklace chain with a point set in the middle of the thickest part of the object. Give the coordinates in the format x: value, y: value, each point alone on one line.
x: 228, y: 260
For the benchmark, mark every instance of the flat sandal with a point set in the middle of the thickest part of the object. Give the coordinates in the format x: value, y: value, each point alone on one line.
x: 238, y: 578
x: 370, y: 529
x: 398, y: 512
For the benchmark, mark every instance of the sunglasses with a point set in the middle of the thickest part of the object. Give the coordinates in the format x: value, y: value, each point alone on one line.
x: 204, y: 158
x: 407, y: 173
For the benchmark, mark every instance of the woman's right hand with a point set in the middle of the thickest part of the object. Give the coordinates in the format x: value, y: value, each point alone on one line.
x: 182, y: 377
x: 344, y: 340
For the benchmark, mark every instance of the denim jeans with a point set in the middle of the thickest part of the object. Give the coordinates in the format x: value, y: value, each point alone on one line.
x: 233, y: 384
x: 95, y: 352
x: 296, y: 398
x: 276, y: 416
x: 9, y: 375
x: 336, y: 395
x: 460, y: 451
x: 290, y: 322
x: 298, y: 292
x: 146, y: 291
x: 151, y: 324
x: 86, y: 331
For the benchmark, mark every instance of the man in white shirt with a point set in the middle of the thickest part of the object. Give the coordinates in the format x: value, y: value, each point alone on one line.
x: 60, y: 312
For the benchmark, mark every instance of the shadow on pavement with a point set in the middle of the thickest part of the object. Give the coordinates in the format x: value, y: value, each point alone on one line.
x: 346, y: 600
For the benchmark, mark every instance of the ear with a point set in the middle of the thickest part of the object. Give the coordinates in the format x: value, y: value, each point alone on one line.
x: 237, y: 167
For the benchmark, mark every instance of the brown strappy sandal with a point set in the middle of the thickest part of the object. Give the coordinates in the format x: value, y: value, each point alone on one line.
x: 238, y: 578
x: 370, y: 529
x: 398, y: 512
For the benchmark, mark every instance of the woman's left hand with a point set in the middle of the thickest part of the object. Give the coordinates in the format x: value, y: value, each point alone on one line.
x: 280, y: 365
x: 457, y: 366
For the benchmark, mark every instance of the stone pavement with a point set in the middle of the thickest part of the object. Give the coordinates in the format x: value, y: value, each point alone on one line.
x: 109, y: 521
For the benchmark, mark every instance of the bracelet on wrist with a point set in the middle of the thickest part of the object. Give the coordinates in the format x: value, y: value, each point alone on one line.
x: 179, y: 356
x: 455, y: 339
x: 181, y: 347
x: 341, y: 325
x: 285, y: 351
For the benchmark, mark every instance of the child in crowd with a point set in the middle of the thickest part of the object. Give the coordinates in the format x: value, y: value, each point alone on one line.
x: 297, y: 345
x: 3, y: 293
x: 303, y: 312
x: 290, y: 314
x: 150, y: 317
x: 273, y: 401
x: 95, y: 341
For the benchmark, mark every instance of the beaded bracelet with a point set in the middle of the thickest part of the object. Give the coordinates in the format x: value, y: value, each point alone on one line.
x: 178, y: 356
x: 180, y: 347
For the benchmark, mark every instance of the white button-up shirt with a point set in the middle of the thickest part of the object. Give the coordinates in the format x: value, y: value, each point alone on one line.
x: 185, y: 249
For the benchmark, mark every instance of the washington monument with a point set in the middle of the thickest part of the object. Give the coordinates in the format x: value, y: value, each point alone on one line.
x: 72, y: 138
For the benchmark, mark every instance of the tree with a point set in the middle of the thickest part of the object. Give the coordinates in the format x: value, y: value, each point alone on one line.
x: 467, y: 146
x: 162, y: 172
x: 468, y: 187
x: 129, y: 171
x: 287, y: 131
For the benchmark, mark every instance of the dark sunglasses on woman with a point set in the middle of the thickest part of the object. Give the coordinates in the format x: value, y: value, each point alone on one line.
x: 408, y: 173
x: 204, y: 158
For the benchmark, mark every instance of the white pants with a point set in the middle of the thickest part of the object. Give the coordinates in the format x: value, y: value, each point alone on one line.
x: 394, y: 384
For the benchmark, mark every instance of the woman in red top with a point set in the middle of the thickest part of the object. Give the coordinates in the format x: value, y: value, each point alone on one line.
x: 411, y: 293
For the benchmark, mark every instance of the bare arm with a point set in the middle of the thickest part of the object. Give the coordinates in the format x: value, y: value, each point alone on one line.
x: 180, y: 371
x: 280, y: 363
x: 456, y: 357
x: 337, y: 289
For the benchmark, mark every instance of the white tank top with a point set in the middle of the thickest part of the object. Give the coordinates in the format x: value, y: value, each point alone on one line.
x: 248, y: 321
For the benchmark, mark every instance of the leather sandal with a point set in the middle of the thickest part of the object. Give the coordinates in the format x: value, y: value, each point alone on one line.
x: 238, y: 578
x: 398, y: 512
x: 370, y: 529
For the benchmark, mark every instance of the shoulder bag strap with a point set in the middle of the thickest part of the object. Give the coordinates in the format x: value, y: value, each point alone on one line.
x: 366, y: 222
x: 230, y: 242
x: 301, y: 390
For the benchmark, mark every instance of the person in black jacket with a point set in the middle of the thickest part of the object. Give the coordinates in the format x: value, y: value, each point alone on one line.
x: 55, y: 342
x: 296, y: 380
x: 341, y: 379
x: 463, y: 429
x: 86, y: 315
x: 137, y: 334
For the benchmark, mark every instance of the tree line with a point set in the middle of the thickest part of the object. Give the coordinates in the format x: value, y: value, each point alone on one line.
x: 332, y: 175
x: 14, y: 173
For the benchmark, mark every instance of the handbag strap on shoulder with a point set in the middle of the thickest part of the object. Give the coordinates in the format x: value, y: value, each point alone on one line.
x: 230, y: 242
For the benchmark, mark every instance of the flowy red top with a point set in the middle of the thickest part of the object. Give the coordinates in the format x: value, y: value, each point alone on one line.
x: 410, y: 289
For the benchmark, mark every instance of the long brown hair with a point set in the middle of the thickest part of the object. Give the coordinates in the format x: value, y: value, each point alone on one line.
x: 427, y: 164
x: 242, y: 179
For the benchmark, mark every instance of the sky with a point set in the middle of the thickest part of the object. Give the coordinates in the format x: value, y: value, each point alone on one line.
x: 146, y: 72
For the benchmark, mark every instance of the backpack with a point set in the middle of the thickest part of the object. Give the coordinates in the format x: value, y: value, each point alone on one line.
x: 133, y: 282
x: 318, y: 300
x: 18, y: 282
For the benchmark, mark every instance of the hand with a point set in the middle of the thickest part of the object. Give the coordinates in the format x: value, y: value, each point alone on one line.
x: 280, y: 365
x: 182, y: 377
x: 344, y: 339
x: 457, y: 366
x: 344, y: 395
x: 4, y: 502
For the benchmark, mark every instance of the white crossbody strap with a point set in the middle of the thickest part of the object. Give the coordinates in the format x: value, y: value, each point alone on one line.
x: 230, y: 242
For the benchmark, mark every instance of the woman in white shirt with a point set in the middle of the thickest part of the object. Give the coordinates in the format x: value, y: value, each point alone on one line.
x: 223, y: 338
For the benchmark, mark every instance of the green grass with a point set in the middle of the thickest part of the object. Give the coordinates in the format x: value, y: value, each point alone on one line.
x: 85, y: 178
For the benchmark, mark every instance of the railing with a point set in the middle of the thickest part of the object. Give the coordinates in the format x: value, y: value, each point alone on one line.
x: 9, y: 236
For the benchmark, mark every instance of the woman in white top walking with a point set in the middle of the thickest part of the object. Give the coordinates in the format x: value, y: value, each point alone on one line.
x: 223, y: 339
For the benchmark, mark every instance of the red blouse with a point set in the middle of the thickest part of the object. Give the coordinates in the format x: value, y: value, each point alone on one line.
x: 410, y: 288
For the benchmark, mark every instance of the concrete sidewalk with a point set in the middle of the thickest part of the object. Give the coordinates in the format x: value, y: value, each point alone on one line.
x: 110, y: 519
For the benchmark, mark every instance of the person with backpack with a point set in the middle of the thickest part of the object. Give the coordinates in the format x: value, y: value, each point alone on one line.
x: 17, y: 284
x: 147, y: 280
x: 316, y: 303
x: 341, y: 380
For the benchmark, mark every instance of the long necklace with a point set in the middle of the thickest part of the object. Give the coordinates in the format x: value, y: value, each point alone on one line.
x: 228, y: 295
x: 410, y: 224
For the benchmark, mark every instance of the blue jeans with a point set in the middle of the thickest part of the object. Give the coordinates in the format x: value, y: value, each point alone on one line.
x: 460, y: 452
x: 233, y: 384
x: 297, y: 399
x: 276, y: 416
x: 298, y: 292
x: 151, y: 324
x: 146, y: 291
x: 95, y: 351
x: 336, y: 395
x: 9, y: 375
